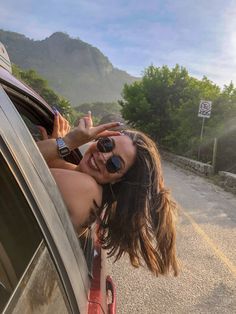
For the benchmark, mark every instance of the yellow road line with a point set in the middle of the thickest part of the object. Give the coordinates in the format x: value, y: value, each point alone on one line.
x: 214, y: 247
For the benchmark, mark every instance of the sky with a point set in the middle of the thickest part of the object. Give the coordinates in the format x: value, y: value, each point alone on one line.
x: 197, y: 34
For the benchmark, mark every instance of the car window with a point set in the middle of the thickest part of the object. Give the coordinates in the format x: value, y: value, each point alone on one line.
x: 40, y: 289
x: 34, y: 115
x: 28, y: 277
x: 19, y: 233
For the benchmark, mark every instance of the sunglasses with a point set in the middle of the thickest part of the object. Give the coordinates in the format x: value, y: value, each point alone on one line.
x: 106, y: 145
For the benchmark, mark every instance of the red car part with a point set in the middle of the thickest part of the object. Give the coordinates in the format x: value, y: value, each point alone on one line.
x: 96, y: 303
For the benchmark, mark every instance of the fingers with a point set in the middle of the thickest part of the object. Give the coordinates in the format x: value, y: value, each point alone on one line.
x: 60, y: 126
x: 85, y: 132
x: 105, y: 127
x: 88, y: 120
x: 43, y: 132
x: 81, y: 123
x: 108, y: 133
x: 56, y: 124
x: 65, y: 126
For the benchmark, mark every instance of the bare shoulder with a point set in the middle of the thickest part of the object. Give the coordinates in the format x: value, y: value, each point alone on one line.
x: 78, y: 182
x: 88, y: 185
x: 79, y: 192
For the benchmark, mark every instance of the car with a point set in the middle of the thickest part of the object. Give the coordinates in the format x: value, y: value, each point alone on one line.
x: 44, y: 267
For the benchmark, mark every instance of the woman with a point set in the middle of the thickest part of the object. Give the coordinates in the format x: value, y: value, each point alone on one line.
x: 120, y: 181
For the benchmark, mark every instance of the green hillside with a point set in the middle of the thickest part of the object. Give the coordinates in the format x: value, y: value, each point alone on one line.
x: 73, y: 68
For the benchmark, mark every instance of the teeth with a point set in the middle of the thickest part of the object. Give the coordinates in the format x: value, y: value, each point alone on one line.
x: 93, y: 163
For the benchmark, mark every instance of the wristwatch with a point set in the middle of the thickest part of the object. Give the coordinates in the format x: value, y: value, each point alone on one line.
x: 63, y: 149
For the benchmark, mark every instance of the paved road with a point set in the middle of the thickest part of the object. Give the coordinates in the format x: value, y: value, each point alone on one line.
x: 206, y: 248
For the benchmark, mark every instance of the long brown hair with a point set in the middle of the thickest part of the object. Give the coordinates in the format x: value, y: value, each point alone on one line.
x: 138, y: 213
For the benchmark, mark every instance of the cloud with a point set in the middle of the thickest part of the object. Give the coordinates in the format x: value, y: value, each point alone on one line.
x: 199, y: 35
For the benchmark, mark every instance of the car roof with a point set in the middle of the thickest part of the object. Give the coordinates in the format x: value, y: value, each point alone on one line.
x: 10, y: 80
x: 4, y: 59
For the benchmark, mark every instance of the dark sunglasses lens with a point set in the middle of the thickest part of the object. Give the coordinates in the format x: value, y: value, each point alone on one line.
x: 105, y: 145
x: 113, y: 164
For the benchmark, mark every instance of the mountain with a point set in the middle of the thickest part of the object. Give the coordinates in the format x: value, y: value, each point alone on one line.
x: 73, y: 68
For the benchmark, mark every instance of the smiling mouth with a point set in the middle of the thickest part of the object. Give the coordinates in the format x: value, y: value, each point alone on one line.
x: 92, y: 163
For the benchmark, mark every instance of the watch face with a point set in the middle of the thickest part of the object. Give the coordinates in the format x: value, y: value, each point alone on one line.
x: 64, y: 151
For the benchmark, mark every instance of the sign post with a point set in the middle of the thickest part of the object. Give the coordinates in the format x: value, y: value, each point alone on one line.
x: 203, y: 112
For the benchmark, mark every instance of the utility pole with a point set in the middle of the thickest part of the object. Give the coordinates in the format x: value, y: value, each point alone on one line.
x: 214, y: 155
x: 201, y: 137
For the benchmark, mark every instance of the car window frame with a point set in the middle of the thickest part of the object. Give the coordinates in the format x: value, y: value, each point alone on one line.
x: 31, y: 107
x: 17, y: 144
x: 12, y: 304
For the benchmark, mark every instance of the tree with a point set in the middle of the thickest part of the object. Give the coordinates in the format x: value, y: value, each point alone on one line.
x: 165, y: 105
x: 40, y: 85
x: 184, y: 138
x: 149, y: 103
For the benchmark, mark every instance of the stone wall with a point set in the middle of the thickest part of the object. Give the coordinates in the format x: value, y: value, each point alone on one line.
x: 224, y: 179
x: 189, y: 164
x: 228, y: 180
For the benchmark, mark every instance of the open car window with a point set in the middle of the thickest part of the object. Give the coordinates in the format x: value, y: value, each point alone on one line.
x: 19, y: 233
x: 45, y: 200
x: 25, y: 263
x: 33, y: 115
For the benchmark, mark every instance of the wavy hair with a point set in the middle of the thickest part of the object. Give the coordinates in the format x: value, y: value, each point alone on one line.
x: 138, y: 215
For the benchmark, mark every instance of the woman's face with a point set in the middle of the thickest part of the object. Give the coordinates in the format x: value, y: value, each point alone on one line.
x: 94, y: 162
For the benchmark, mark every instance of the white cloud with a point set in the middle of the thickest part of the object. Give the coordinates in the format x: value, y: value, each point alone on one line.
x: 199, y: 35
x: 229, y: 39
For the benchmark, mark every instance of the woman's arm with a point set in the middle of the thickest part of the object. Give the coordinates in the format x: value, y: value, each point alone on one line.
x: 60, y: 128
x: 79, y: 192
x: 82, y: 134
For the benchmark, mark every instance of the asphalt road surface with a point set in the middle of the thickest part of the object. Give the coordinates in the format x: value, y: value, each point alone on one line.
x: 206, y: 245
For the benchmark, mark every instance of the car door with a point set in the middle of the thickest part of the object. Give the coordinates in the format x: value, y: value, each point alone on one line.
x: 42, y: 267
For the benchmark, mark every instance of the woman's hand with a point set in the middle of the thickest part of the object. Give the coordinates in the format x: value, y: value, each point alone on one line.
x: 86, y: 132
x: 82, y: 134
x: 60, y: 127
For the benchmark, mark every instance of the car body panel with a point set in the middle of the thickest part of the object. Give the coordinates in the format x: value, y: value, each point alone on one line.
x: 39, y: 289
x: 9, y: 80
x: 83, y: 288
x: 4, y: 59
x: 45, y: 196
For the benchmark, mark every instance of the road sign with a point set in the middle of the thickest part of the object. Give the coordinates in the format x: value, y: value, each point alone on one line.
x: 205, y: 109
